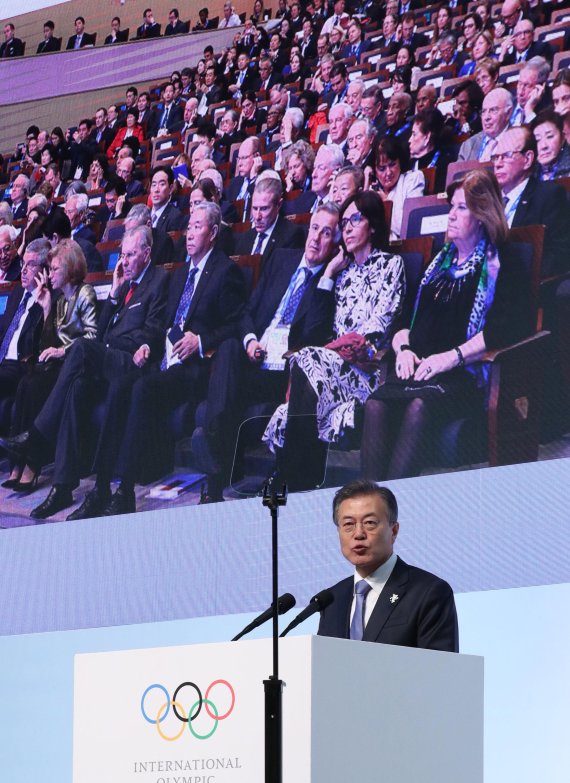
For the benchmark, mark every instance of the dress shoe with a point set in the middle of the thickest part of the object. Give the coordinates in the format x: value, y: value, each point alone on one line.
x: 18, y: 446
x: 94, y: 505
x: 122, y: 502
x: 59, y: 498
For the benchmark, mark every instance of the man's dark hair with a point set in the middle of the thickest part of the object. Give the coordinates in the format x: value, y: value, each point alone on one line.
x: 79, y: 19
x: 58, y: 223
x: 103, y: 109
x: 132, y: 89
x: 146, y: 95
x: 206, y: 128
x: 85, y: 121
x: 339, y: 69
x: 474, y: 92
x: 167, y: 170
x: 175, y: 12
x: 53, y: 167
x: 132, y: 142
x: 203, y: 11
x: 361, y: 487
x: 209, y: 49
x: 117, y: 184
x: 49, y: 24
x: 250, y: 95
x: 116, y: 19
x: 146, y: 10
x: 33, y: 130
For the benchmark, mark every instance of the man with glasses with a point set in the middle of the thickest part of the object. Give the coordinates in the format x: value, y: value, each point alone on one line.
x: 130, y: 336
x: 528, y: 201
x: 149, y: 28
x: 248, y: 166
x: 19, y: 196
x: 385, y: 600
x: 9, y: 258
x: 520, y: 47
x: 175, y: 25
x: 511, y: 14
x: 531, y: 91
x: 495, y: 117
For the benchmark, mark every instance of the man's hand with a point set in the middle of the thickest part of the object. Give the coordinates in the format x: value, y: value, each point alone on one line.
x: 256, y: 166
x: 141, y: 356
x: 186, y: 346
x: 118, y: 278
x: 43, y: 292
x: 255, y: 352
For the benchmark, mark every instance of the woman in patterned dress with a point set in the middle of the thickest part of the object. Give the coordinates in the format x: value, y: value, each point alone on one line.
x: 328, y: 386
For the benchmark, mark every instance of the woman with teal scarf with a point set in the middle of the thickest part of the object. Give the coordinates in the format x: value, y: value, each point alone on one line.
x: 473, y: 297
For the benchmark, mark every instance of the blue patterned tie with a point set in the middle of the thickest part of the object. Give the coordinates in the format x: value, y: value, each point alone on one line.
x: 295, y: 298
x: 361, y: 590
x: 11, y: 330
x: 183, y: 304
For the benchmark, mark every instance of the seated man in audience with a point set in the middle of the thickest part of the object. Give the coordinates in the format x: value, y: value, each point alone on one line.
x: 561, y: 92
x: 19, y: 196
x: 360, y: 140
x: 211, y: 93
x: 9, y: 258
x: 244, y: 79
x: 269, y: 231
x: 511, y: 15
x: 162, y: 251
x: 201, y: 153
x: 346, y: 183
x: 205, y: 303
x: 130, y: 334
x: 76, y: 208
x: 426, y: 98
x: 207, y: 134
x: 49, y: 43
x: 340, y: 120
x: 398, y: 122
x: 230, y: 18
x: 409, y: 37
x: 116, y: 205
x: 113, y: 117
x: 165, y: 216
x: 187, y: 125
x: 356, y: 45
x: 371, y: 107
x: 248, y: 166
x: 144, y: 110
x: 81, y: 38
x: 22, y: 323
x: 116, y: 35
x: 291, y: 131
x: 162, y: 121
x: 339, y: 86
x: 520, y: 47
x: 175, y: 24
x: 266, y: 74
x: 445, y: 54
x: 354, y: 96
x: 251, y: 117
x: 204, y: 23
x: 149, y: 28
x: 339, y: 16
x: 125, y: 168
x: 531, y: 91
x: 101, y: 134
x: 228, y: 133
x: 328, y: 161
x: 12, y: 46
x: 531, y: 202
x: 495, y: 118
x: 82, y: 150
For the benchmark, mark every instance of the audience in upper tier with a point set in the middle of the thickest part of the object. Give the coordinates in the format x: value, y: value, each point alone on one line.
x: 297, y: 148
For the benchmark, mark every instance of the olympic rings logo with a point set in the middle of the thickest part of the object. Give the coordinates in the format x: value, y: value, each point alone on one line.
x: 186, y: 717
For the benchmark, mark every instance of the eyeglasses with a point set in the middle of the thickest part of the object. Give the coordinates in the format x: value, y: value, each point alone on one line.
x: 505, y: 155
x: 354, y: 220
x: 521, y: 33
x: 349, y: 526
x: 6, y: 250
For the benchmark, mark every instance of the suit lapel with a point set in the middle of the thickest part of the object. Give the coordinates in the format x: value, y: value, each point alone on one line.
x: 343, y: 601
x: 389, y: 598
x: 137, y: 294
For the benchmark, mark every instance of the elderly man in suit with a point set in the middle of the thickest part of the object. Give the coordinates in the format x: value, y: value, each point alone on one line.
x: 9, y: 258
x: 125, y: 169
x: 521, y: 46
x: 270, y: 231
x: 205, y: 302
x: 288, y: 310
x: 19, y: 196
x: 130, y: 334
x: 386, y: 600
x: 495, y: 117
x: 164, y: 215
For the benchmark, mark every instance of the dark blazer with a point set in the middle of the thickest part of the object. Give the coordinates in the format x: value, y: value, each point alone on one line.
x: 417, y: 40
x: 82, y: 154
x: 363, y: 47
x: 536, y: 49
x: 176, y: 29
x: 107, y: 136
x: 87, y: 40
x: 217, y: 303
x: 13, y: 272
x: 22, y: 210
x: 171, y: 219
x: 152, y: 31
x: 162, y: 248
x: 122, y: 36
x: 29, y: 340
x: 313, y: 320
x: 13, y: 48
x: 285, y: 234
x: 92, y: 255
x: 87, y: 234
x: 231, y: 192
x: 415, y: 609
x: 135, y: 188
x: 51, y: 45
x: 142, y: 320
x: 546, y: 203
x: 301, y: 204
x: 175, y: 116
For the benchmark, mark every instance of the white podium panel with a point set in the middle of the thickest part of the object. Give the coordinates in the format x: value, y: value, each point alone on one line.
x: 351, y: 711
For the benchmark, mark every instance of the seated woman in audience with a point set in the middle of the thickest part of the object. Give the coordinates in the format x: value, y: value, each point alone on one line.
x: 427, y: 150
x: 553, y: 153
x: 131, y: 129
x: 299, y: 160
x: 481, y: 49
x: 285, y: 32
x: 69, y: 306
x: 337, y: 38
x: 297, y: 70
x: 483, y: 11
x: 328, y: 385
x: 57, y: 138
x: 487, y: 75
x: 406, y: 57
x: 472, y: 24
x: 401, y: 80
x: 441, y: 22
x: 257, y: 15
x: 473, y: 297
x: 98, y: 173
x: 393, y: 180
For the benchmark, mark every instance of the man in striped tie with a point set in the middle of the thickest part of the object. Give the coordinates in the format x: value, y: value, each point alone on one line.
x: 385, y: 600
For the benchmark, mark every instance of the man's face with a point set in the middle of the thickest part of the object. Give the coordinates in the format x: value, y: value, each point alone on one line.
x: 168, y: 95
x: 370, y: 108
x: 510, y: 12
x: 396, y: 112
x: 338, y: 83
x: 100, y: 118
x: 510, y: 164
x: 190, y: 111
x: 125, y: 169
x: 79, y: 26
x: 264, y: 70
x: 172, y: 18
x: 200, y: 153
x: 52, y: 179
x: 32, y: 147
x: 365, y: 535
x: 31, y: 265
x: 353, y: 33
x: 339, y: 124
x: 343, y: 187
x: 210, y: 77
x: 48, y: 32
x: 112, y: 113
x: 561, y: 99
x: 322, y: 172
x: 199, y: 236
x: 160, y: 189
x: 83, y: 131
x: 339, y: 7
x: 203, y: 16
x: 320, y: 243
x: 388, y: 26
x: 142, y: 103
x: 7, y: 251
x: 18, y: 190
x: 274, y: 117
x: 228, y: 124
x: 523, y: 35
x: 70, y: 209
x: 322, y: 46
x: 358, y: 142
x: 148, y: 18
x: 447, y: 50
x: 407, y: 29
x: 247, y: 108
x: 425, y: 99
x: 134, y: 256
x: 243, y: 61
x: 354, y: 97
x: 495, y: 113
x: 43, y: 138
x: 326, y: 69
x: 245, y: 159
x: 528, y: 79
x: 111, y: 199
x: 115, y: 26
x: 264, y: 210
x: 227, y: 11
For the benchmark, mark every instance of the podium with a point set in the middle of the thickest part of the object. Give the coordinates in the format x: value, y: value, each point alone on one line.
x: 351, y: 711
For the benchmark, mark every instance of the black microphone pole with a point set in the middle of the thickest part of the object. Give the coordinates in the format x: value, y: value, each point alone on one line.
x: 274, y: 686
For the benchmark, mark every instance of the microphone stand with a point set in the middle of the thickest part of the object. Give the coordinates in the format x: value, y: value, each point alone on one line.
x: 274, y: 686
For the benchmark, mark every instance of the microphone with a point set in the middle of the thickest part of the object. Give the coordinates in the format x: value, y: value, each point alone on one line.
x: 284, y: 603
x: 317, y: 603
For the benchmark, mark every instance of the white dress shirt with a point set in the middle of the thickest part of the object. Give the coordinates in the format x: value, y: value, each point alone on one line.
x: 377, y: 580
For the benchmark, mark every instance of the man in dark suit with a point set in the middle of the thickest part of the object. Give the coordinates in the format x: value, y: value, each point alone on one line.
x: 521, y: 46
x: 356, y: 45
x: 269, y: 231
x: 204, y: 23
x: 53, y: 178
x: 144, y: 110
x: 339, y: 86
x: 531, y: 202
x: 130, y: 333
x: 117, y: 35
x: 49, y: 44
x: 81, y: 38
x: 9, y: 258
x: 287, y: 311
x: 19, y: 196
x: 162, y: 246
x: 22, y: 322
x: 165, y: 216
x: 149, y: 28
x: 386, y: 600
x: 101, y: 134
x: 175, y: 25
x: 12, y: 46
x: 211, y: 93
x: 229, y: 133
x: 116, y: 205
x: 125, y: 169
x: 76, y: 207
x: 162, y: 121
x: 245, y: 78
x: 409, y: 37
x: 248, y: 166
x: 82, y: 150
x: 205, y: 302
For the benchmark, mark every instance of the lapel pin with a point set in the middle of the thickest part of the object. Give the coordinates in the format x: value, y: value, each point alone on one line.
x: 393, y: 598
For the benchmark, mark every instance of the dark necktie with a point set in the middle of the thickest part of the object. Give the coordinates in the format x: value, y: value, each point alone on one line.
x: 295, y: 298
x: 259, y: 243
x: 361, y: 590
x: 15, y: 322
x: 186, y: 298
x: 130, y: 293
x: 165, y: 117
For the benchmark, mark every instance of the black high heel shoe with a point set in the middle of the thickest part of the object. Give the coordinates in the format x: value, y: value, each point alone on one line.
x: 10, y: 483
x: 27, y: 487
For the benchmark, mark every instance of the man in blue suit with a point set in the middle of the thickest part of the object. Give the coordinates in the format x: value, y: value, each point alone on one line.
x: 386, y: 600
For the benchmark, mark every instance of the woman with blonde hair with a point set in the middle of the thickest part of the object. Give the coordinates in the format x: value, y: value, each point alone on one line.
x: 299, y: 160
x: 473, y: 297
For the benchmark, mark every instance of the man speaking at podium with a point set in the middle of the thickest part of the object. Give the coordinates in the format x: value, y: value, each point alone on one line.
x: 386, y: 600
